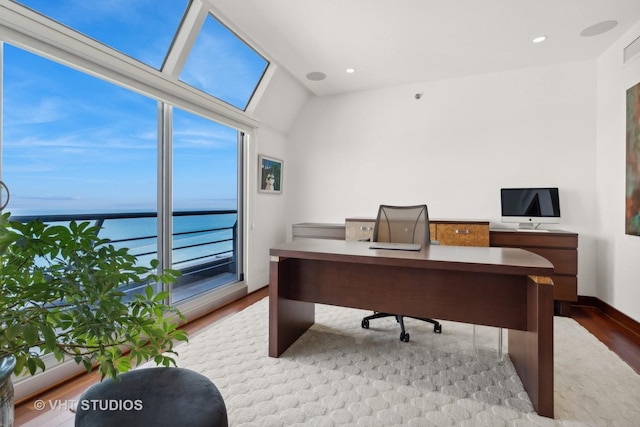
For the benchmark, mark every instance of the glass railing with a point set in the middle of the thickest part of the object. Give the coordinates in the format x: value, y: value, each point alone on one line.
x: 204, y: 244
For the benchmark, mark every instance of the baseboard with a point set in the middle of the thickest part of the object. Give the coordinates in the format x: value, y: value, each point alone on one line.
x: 626, y: 321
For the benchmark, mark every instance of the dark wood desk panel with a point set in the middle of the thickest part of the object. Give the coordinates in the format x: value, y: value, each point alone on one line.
x: 490, y: 286
x: 387, y: 287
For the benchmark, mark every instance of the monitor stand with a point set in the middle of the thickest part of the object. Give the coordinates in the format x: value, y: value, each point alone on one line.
x: 528, y: 226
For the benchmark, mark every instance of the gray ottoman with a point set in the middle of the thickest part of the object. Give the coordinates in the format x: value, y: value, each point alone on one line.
x: 153, y: 397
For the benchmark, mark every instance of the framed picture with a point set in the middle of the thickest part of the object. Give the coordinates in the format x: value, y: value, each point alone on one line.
x: 632, y: 208
x: 269, y: 174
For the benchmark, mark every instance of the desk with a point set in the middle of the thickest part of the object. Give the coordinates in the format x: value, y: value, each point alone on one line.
x: 504, y: 287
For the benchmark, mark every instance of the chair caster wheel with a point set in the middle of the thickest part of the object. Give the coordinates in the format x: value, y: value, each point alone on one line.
x: 437, y: 329
x: 365, y: 324
x: 404, y: 336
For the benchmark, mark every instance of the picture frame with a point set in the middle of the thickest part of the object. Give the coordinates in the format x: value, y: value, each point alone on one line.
x: 269, y: 174
x: 632, y: 190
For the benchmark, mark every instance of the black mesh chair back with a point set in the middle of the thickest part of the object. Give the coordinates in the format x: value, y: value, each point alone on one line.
x: 402, y: 224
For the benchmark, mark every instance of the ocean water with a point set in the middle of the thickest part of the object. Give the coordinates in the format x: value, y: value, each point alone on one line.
x: 196, y: 239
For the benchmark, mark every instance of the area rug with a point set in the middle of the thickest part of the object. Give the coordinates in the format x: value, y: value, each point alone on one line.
x: 338, y: 373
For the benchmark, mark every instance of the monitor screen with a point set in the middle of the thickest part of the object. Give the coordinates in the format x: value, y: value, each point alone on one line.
x: 530, y: 205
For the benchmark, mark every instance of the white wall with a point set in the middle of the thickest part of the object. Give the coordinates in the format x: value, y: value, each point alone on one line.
x: 454, y: 149
x: 266, y: 213
x: 618, y: 254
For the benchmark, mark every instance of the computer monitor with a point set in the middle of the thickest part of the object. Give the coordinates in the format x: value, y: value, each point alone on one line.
x: 530, y: 207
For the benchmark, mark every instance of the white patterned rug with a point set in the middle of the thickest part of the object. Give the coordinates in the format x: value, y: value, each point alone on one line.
x: 340, y: 374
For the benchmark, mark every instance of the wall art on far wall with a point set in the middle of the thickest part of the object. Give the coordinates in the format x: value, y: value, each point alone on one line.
x: 269, y: 174
x: 632, y: 211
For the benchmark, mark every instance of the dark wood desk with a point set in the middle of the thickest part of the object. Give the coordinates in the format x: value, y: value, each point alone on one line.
x: 504, y: 287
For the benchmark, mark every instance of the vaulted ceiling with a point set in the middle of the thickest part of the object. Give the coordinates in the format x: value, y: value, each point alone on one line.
x: 394, y: 42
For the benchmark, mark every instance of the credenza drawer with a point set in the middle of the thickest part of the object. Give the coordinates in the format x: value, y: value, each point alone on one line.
x: 359, y: 230
x: 309, y: 230
x: 533, y: 239
x: 462, y: 234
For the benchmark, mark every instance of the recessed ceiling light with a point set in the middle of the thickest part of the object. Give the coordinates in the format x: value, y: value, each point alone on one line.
x: 316, y: 76
x: 350, y: 70
x: 599, y: 28
x: 539, y: 39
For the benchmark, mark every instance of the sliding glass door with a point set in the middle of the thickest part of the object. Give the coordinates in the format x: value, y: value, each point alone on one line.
x: 205, y: 205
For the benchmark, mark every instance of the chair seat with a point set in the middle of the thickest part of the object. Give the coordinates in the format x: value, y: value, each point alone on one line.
x: 153, y: 397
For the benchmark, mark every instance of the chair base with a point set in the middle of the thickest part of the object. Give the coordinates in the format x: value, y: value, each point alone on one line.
x: 404, y: 336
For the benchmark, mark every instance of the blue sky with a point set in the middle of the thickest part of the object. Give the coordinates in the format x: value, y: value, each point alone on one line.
x: 73, y: 142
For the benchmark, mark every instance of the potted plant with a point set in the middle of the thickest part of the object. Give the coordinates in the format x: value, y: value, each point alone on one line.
x: 62, y: 295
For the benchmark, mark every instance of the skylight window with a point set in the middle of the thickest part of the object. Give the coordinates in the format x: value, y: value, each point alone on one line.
x: 141, y: 29
x: 223, y: 65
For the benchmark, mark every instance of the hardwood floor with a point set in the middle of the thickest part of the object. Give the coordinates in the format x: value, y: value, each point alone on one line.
x: 619, y: 339
x: 622, y: 341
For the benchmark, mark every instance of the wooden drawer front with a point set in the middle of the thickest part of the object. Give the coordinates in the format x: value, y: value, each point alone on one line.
x: 565, y: 288
x: 359, y: 230
x: 565, y: 261
x: 462, y: 234
x: 534, y: 239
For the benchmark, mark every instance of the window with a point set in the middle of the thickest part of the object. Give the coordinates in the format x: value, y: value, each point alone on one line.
x: 222, y: 65
x: 76, y: 147
x: 73, y: 143
x: 141, y: 29
x: 205, y: 188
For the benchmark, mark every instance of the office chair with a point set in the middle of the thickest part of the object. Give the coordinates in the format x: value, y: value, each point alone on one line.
x: 402, y: 224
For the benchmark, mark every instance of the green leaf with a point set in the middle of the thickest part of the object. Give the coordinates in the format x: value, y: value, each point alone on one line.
x: 49, y: 335
x: 123, y: 364
x: 180, y: 335
x: 30, y: 334
x: 160, y: 296
x: 31, y: 365
x: 13, y: 331
x: 149, y: 292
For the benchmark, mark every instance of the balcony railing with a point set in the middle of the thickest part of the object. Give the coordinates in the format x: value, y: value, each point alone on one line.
x: 204, y: 243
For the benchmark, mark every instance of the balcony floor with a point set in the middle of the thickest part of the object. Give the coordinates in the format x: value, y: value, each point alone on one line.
x: 189, y: 290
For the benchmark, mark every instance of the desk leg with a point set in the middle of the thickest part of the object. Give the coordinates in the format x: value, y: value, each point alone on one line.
x: 531, y: 351
x: 288, y: 319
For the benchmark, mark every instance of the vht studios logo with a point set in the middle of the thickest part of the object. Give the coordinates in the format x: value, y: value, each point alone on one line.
x: 91, y: 405
x: 111, y: 405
